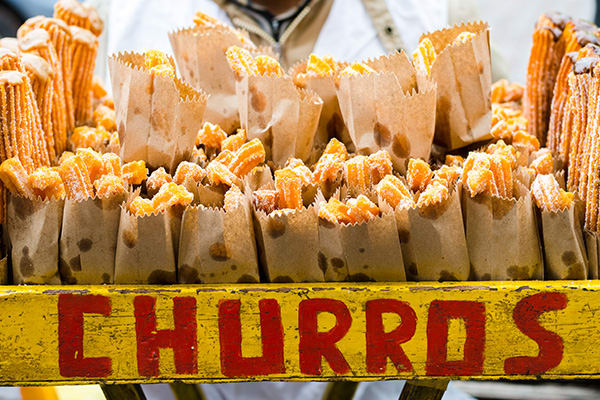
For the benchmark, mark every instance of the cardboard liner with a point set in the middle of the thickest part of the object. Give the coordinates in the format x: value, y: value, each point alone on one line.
x: 200, y: 56
x: 88, y: 241
x: 147, y: 247
x: 433, y: 240
x: 217, y: 246
x: 157, y: 117
x: 33, y: 228
x: 564, y: 250
x: 463, y: 75
x: 331, y: 123
x: 283, y: 116
x: 502, y: 238
x: 288, y: 245
x: 393, y: 109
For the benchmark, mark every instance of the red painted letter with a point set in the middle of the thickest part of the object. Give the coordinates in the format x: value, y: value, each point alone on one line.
x: 526, y: 314
x: 230, y: 336
x: 440, y: 311
x: 381, y: 345
x: 314, y: 344
x: 182, y: 339
x: 71, y: 361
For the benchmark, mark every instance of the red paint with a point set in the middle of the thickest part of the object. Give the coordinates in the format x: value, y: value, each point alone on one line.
x: 473, y: 314
x: 381, y: 344
x: 233, y: 364
x: 314, y: 344
x: 526, y: 316
x: 182, y: 338
x: 71, y: 360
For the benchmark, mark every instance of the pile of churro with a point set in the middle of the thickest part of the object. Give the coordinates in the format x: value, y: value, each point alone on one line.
x: 561, y: 102
x: 48, y: 89
x: 305, y: 181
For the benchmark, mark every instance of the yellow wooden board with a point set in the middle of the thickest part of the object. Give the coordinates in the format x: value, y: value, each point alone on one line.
x: 212, y: 333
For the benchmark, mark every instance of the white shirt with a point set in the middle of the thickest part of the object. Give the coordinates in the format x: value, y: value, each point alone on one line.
x: 348, y: 33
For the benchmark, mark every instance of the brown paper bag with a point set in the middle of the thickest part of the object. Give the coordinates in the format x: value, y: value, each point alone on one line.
x: 592, y: 243
x: 283, y: 116
x: 393, y: 109
x: 360, y: 252
x: 502, y: 237
x: 88, y: 240
x: 200, y: 56
x: 332, y: 259
x: 4, y: 271
x: 157, y: 117
x: 33, y: 228
x: 208, y: 196
x: 331, y: 123
x: 564, y: 250
x: 463, y: 75
x: 373, y: 251
x: 147, y: 247
x: 260, y: 177
x: 288, y: 245
x: 217, y: 246
x: 433, y: 240
x: 524, y: 175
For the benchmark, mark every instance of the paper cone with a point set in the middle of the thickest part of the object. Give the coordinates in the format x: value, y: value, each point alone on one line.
x: 502, y: 238
x: 33, y: 228
x: 200, y: 56
x: 393, y: 109
x: 463, y: 75
x: 260, y: 177
x: 217, y: 246
x: 331, y: 123
x: 89, y: 240
x: 147, y: 247
x: 282, y: 116
x: 4, y: 271
x: 564, y: 250
x: 592, y: 244
x: 433, y: 241
x: 157, y: 117
x: 368, y: 251
x: 372, y: 250
x: 288, y: 244
x: 332, y: 259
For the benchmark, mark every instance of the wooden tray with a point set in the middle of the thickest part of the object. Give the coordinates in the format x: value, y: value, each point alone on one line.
x: 299, y: 332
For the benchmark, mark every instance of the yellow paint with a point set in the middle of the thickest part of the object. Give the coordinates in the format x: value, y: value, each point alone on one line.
x: 456, y: 346
x: 30, y: 326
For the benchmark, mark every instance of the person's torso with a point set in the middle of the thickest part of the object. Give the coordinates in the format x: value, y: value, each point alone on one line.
x: 349, y: 30
x: 342, y: 28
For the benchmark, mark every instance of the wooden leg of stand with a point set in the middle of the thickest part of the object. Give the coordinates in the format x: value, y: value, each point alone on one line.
x: 424, y: 390
x: 123, y: 392
x: 340, y: 390
x: 184, y: 391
